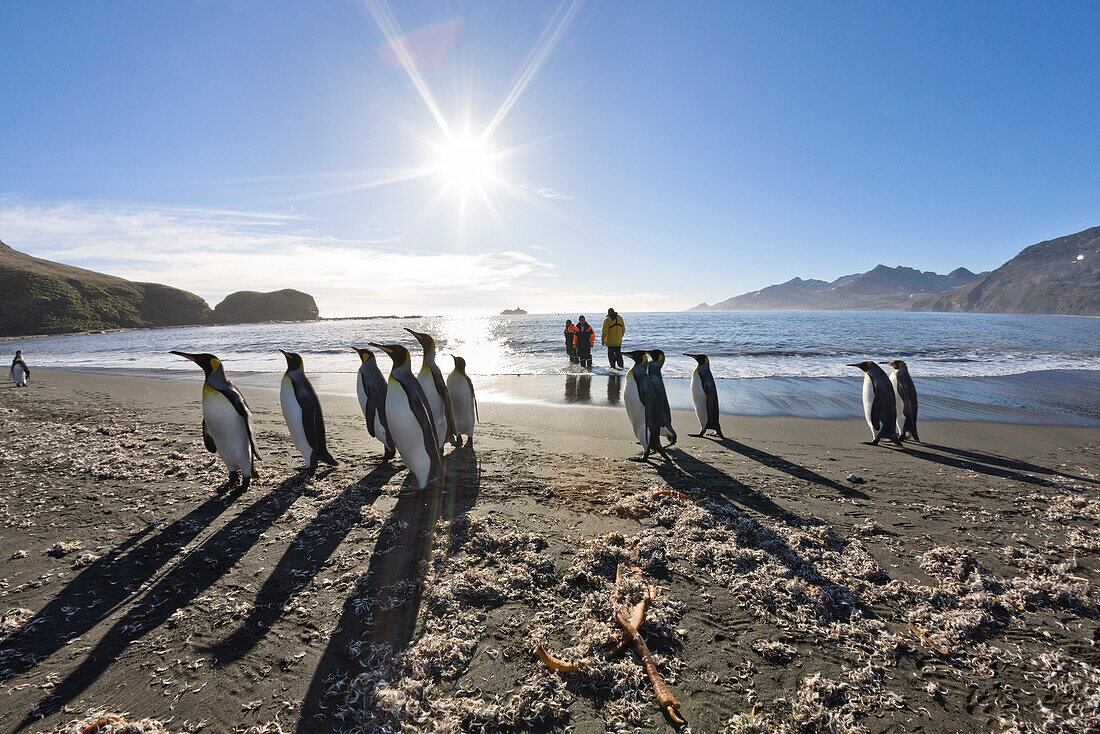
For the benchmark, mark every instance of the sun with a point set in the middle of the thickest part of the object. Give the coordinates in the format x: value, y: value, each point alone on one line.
x: 464, y: 161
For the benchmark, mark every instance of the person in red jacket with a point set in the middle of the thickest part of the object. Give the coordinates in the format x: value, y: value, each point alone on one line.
x: 570, y: 341
x: 583, y: 341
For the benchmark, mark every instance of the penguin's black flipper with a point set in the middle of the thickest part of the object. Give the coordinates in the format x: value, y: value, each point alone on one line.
x: 441, y: 388
x: 233, y: 395
x: 312, y: 421
x: 418, y: 404
x: 208, y: 439
x: 472, y: 394
x: 710, y: 390
x: 372, y: 404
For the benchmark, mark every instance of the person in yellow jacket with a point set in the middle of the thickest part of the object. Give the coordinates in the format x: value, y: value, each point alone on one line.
x: 612, y: 337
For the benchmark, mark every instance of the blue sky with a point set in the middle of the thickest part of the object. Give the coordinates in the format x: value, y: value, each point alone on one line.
x: 661, y: 154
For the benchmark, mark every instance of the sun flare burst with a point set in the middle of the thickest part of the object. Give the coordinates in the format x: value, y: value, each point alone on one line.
x: 464, y: 161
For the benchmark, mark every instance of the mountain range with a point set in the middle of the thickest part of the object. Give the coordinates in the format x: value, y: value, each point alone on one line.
x: 45, y: 297
x: 1060, y: 276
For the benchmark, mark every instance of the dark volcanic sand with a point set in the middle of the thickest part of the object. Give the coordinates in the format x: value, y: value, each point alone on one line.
x: 952, y: 590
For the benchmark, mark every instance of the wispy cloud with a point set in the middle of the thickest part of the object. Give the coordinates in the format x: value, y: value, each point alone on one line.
x: 213, y: 252
x: 543, y: 192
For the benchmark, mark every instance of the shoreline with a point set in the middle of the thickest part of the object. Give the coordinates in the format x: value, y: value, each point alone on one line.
x: 1046, y: 397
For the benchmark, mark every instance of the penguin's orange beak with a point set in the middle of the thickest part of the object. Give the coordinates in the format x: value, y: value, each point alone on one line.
x: 185, y: 355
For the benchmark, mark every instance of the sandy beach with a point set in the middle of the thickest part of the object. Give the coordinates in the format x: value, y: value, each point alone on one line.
x: 948, y: 586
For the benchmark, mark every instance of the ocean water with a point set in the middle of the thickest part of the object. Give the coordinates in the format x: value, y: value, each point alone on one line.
x: 740, y: 344
x: 969, y: 365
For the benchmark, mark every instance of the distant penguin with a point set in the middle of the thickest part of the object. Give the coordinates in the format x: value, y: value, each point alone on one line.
x: 226, y: 420
x: 656, y: 362
x: 641, y: 405
x: 704, y: 394
x: 878, y: 403
x: 20, y: 372
x: 409, y: 417
x: 302, y: 411
x: 431, y: 379
x: 370, y: 386
x: 463, y: 401
x: 906, y: 405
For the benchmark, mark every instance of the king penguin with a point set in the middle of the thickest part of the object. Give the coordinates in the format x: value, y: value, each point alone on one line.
x: 704, y: 395
x: 20, y: 372
x: 641, y: 405
x: 463, y: 401
x: 878, y: 403
x: 370, y: 386
x: 226, y: 420
x: 302, y: 411
x: 431, y: 379
x: 409, y: 417
x: 664, y: 413
x: 906, y: 393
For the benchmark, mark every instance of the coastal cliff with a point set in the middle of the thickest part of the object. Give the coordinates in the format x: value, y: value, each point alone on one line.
x: 44, y: 297
x: 251, y: 307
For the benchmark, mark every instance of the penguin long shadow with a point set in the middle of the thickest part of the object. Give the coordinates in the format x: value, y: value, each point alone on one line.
x: 302, y: 560
x: 689, y: 472
x: 461, y: 491
x: 105, y: 584
x: 788, y: 467
x: 973, y: 465
x: 685, y: 472
x: 1007, y: 463
x: 381, y: 613
x: 199, y: 570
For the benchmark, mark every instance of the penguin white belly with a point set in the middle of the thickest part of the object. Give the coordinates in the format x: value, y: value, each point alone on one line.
x: 635, y: 409
x: 228, y: 429
x: 406, y: 433
x: 899, y: 404
x: 435, y: 401
x: 699, y: 399
x: 292, y: 413
x: 462, y: 405
x: 868, y: 401
x: 19, y: 375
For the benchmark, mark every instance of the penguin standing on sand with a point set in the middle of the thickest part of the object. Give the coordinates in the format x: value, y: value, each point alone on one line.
x: 431, y: 379
x: 878, y: 403
x: 370, y: 386
x: 409, y: 418
x: 906, y: 404
x: 463, y: 401
x: 302, y: 411
x: 641, y: 405
x: 226, y: 420
x: 656, y: 362
x: 704, y: 395
x: 20, y: 372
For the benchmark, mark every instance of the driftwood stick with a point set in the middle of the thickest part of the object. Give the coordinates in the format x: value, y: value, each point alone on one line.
x: 555, y: 663
x: 636, y: 620
x: 665, y: 699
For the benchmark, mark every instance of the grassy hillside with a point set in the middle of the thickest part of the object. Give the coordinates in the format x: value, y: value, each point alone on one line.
x: 44, y: 297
